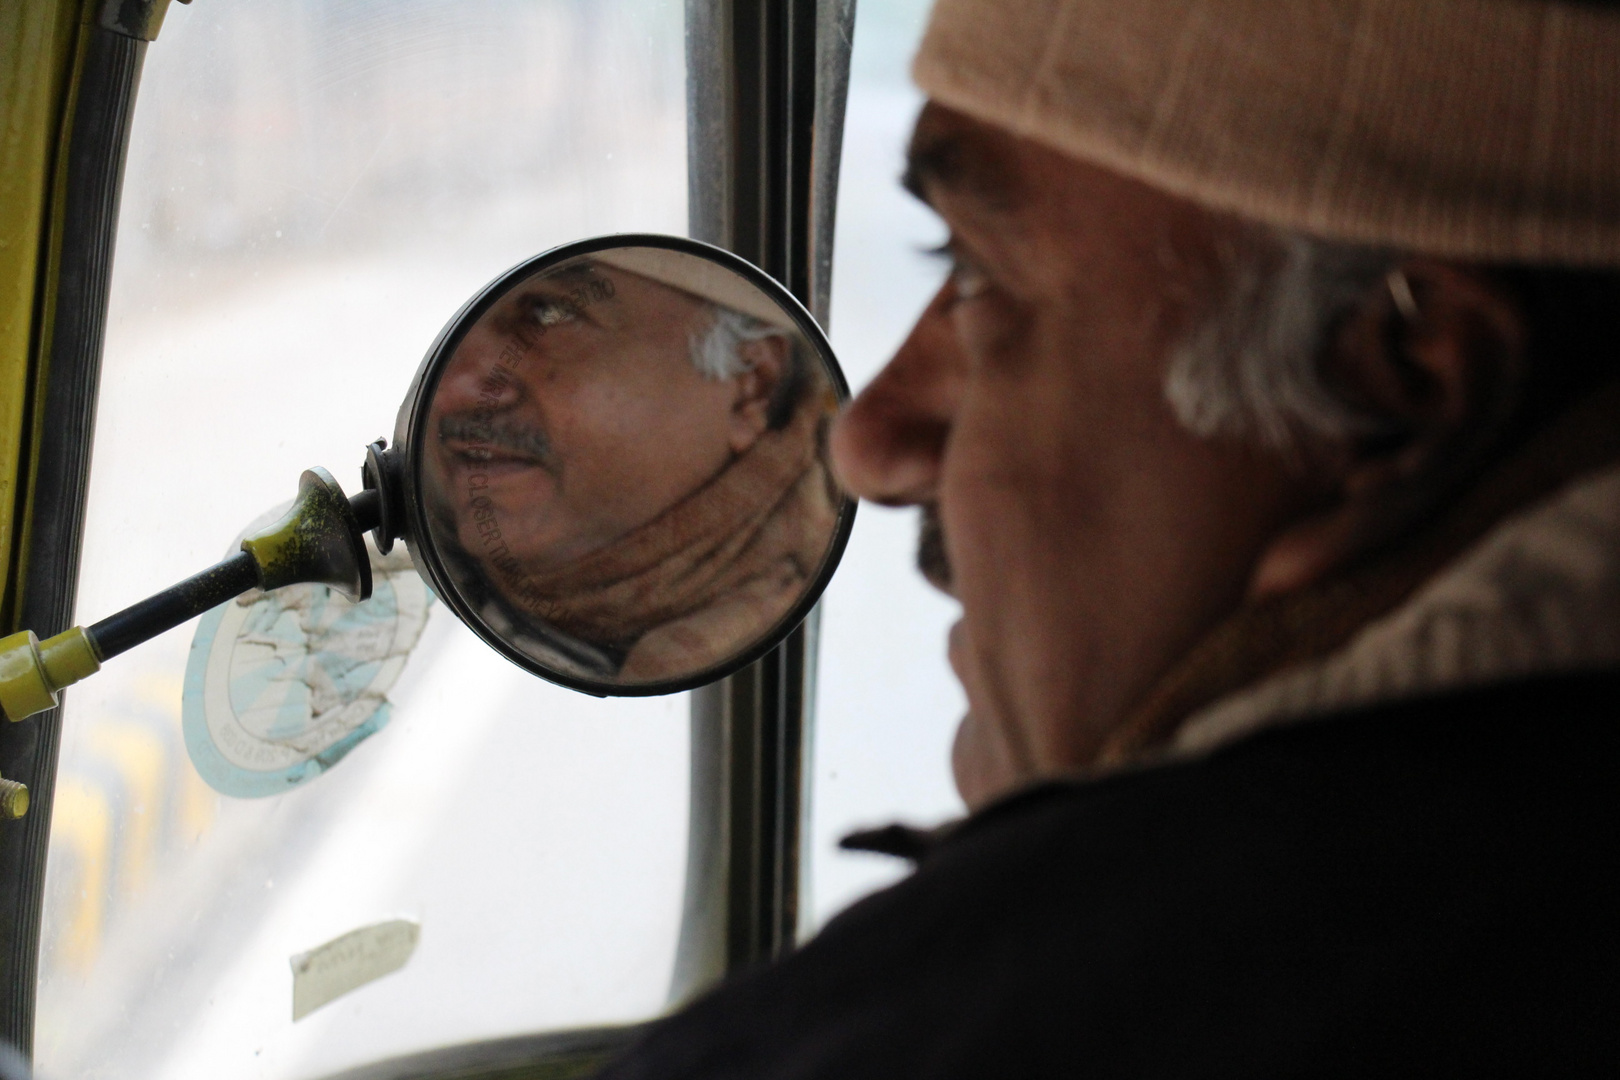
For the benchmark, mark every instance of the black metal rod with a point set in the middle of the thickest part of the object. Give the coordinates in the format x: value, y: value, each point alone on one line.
x: 367, y: 507
x: 146, y: 620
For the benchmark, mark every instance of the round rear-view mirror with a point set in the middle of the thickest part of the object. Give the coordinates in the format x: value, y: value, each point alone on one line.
x: 612, y: 465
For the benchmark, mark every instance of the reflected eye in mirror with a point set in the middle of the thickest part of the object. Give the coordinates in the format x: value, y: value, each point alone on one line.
x: 616, y: 466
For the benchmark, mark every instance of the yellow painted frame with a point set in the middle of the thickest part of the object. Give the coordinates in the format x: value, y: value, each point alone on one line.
x: 40, y: 43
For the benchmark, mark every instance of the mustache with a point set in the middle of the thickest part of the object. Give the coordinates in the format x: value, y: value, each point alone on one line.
x: 932, y: 560
x: 525, y: 440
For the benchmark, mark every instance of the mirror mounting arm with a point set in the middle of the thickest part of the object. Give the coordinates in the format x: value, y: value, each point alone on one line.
x: 320, y: 539
x: 34, y: 673
x: 164, y: 611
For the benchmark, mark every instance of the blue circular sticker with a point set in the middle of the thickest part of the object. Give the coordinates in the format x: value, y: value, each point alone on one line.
x: 281, y: 685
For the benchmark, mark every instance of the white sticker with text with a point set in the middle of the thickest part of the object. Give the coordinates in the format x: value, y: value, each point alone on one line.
x: 347, y: 963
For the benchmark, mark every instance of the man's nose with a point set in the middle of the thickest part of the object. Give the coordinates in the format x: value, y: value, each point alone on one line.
x: 889, y: 443
x: 474, y: 384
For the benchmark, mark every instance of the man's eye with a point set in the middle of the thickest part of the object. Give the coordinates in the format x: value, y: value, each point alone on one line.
x: 967, y: 280
x: 550, y: 312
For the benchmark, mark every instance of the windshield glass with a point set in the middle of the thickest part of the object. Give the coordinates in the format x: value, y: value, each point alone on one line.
x: 314, y: 187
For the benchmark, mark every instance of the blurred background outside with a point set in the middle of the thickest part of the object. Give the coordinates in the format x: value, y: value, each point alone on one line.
x: 887, y: 704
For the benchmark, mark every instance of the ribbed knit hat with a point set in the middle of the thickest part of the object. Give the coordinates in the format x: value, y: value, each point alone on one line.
x: 1474, y: 129
x: 699, y: 277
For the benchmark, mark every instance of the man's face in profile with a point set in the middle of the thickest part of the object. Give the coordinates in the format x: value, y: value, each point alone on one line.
x: 574, y: 408
x: 1088, y: 535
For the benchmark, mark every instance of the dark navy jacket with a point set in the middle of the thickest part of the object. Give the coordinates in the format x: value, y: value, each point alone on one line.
x: 1429, y: 888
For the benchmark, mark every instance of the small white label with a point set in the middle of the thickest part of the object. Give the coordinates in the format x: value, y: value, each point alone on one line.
x: 347, y: 963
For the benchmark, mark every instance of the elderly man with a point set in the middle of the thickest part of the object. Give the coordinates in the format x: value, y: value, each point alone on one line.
x: 1267, y: 429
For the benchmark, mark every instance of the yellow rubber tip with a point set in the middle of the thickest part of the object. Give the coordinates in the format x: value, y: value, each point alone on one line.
x: 24, y: 687
x: 68, y: 657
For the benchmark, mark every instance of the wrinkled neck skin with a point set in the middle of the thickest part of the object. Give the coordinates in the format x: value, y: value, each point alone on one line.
x: 1518, y: 575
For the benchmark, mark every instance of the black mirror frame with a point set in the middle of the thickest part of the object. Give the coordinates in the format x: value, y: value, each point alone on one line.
x: 410, y: 432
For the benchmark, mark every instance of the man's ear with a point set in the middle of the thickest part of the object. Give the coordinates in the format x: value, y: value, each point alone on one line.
x: 766, y: 359
x: 1435, y: 357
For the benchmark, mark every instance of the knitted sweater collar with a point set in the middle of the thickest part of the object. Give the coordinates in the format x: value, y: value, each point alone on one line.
x: 1538, y: 595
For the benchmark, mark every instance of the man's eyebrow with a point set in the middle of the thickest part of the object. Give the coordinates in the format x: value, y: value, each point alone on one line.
x: 947, y: 160
x: 569, y: 273
x: 930, y: 161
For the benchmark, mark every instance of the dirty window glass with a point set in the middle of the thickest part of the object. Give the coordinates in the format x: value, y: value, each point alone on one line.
x: 314, y: 187
x: 887, y: 704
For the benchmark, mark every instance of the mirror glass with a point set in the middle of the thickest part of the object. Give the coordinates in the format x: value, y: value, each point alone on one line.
x: 618, y: 464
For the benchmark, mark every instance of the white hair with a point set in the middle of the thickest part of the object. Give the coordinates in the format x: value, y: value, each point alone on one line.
x: 717, y: 351
x: 1253, y: 368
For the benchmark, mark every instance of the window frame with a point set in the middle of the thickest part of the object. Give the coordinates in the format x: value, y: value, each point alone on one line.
x: 74, y: 266
x: 767, y: 83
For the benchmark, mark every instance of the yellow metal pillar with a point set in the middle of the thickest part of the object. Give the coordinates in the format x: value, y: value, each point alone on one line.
x: 38, y: 40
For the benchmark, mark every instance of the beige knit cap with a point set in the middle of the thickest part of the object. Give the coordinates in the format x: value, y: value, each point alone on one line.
x: 1475, y: 129
x: 699, y: 277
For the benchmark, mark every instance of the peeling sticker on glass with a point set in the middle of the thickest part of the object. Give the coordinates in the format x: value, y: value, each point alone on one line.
x: 280, y: 686
x: 329, y: 971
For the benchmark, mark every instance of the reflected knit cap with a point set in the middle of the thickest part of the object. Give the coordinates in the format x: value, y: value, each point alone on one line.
x: 697, y: 276
x: 1473, y: 129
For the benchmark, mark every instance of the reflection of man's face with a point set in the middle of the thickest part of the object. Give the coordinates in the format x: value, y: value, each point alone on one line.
x: 574, y: 408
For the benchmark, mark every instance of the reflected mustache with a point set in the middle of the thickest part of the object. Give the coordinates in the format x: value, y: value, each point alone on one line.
x: 931, y: 558
x: 522, y: 439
